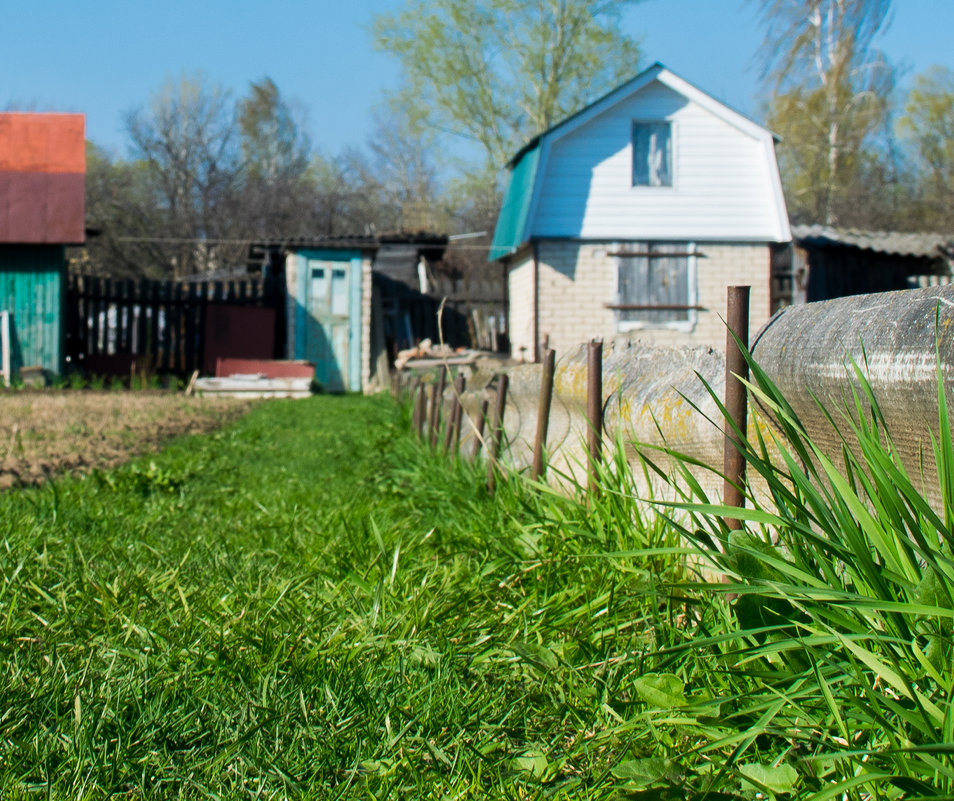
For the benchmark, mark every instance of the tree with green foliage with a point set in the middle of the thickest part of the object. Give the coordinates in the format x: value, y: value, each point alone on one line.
x: 928, y: 126
x: 276, y: 176
x: 273, y: 143
x: 829, y: 99
x: 496, y: 72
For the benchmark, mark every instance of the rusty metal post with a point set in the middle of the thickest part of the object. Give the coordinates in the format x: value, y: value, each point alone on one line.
x: 543, y: 413
x: 479, y: 429
x: 437, y: 400
x: 420, y: 409
x: 594, y: 409
x: 452, y: 437
x: 496, y: 431
x: 736, y: 398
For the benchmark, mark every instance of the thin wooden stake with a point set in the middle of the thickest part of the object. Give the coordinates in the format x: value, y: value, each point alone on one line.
x: 453, y: 423
x: 594, y: 410
x: 736, y: 399
x: 420, y: 409
x: 496, y: 431
x: 543, y: 413
x: 437, y: 400
x: 479, y: 429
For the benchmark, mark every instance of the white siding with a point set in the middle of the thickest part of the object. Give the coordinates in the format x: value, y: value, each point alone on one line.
x: 724, y: 185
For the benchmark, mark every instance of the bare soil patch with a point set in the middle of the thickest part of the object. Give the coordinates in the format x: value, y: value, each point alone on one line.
x: 48, y: 433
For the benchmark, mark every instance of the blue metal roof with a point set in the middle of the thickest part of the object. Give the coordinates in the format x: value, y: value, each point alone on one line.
x: 512, y: 220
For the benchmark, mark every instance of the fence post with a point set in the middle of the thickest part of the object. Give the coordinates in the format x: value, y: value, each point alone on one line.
x: 736, y: 400
x: 437, y: 399
x: 496, y: 431
x: 594, y: 409
x: 420, y: 409
x: 543, y: 413
x: 453, y: 423
x: 479, y: 429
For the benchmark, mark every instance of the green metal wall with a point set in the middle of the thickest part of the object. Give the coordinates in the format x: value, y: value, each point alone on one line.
x: 32, y: 289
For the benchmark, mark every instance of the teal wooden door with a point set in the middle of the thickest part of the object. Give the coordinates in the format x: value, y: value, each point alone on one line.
x: 328, y: 337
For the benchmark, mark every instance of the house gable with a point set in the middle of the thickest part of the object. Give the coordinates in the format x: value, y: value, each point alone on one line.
x: 725, y: 186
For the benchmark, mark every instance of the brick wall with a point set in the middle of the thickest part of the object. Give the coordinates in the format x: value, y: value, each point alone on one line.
x: 367, y: 385
x: 578, y: 280
x: 520, y: 318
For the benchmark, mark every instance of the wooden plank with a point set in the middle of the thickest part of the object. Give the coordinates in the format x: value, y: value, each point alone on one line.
x: 153, y: 337
x: 191, y: 315
x: 652, y: 307
x: 654, y: 254
x: 165, y: 364
x: 142, y: 323
x: 94, y: 310
x: 178, y: 329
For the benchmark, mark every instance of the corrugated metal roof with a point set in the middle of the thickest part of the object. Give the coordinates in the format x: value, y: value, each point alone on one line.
x: 351, y: 241
x: 922, y: 245
x: 433, y: 245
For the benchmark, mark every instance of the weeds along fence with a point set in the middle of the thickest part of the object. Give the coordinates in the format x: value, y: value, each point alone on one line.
x: 511, y: 417
x: 680, y: 400
x: 157, y: 326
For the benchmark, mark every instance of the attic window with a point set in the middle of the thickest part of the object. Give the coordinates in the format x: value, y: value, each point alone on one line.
x: 652, y: 154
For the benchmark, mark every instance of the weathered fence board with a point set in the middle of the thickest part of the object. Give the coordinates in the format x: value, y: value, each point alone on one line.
x: 113, y: 325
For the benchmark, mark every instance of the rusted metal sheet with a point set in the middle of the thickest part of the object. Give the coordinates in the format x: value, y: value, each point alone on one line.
x: 41, y: 208
x: 237, y: 332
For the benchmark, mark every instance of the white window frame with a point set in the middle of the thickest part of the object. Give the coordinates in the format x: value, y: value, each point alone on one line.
x: 692, y: 315
x: 672, y: 155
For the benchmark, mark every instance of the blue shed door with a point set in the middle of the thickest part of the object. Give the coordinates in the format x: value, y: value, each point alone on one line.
x: 328, y: 337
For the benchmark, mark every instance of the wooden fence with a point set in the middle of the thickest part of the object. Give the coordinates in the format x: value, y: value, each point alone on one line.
x: 113, y: 325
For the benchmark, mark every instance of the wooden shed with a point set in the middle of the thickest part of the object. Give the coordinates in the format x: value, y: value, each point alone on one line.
x: 832, y: 262
x: 343, y: 308
x: 42, y: 210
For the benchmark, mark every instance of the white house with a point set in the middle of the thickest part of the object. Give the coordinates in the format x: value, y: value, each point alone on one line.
x: 635, y: 214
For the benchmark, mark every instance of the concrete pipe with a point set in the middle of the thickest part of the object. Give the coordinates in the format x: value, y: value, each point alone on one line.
x: 809, y: 351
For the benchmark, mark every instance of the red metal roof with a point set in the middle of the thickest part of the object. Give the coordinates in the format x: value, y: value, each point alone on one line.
x: 42, y: 178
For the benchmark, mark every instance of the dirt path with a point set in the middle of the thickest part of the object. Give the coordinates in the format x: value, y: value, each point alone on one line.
x: 52, y: 432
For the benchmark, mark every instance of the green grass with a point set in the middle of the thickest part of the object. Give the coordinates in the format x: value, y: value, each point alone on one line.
x: 311, y: 604
x: 836, y: 660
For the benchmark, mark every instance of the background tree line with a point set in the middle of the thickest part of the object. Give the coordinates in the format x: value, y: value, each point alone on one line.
x: 207, y: 172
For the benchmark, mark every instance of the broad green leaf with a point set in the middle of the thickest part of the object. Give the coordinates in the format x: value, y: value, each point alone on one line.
x: 532, y: 762
x: 538, y: 655
x: 644, y: 772
x: 662, y: 690
x: 779, y: 779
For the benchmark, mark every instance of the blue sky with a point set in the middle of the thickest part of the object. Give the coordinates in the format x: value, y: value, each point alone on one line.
x: 105, y: 57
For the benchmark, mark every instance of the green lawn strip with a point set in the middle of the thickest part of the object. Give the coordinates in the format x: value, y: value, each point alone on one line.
x: 307, y: 603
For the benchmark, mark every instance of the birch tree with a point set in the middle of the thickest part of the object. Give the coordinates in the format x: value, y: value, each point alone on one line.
x: 829, y: 96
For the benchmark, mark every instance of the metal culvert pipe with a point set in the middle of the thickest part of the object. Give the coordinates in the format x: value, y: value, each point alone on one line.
x: 809, y: 351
